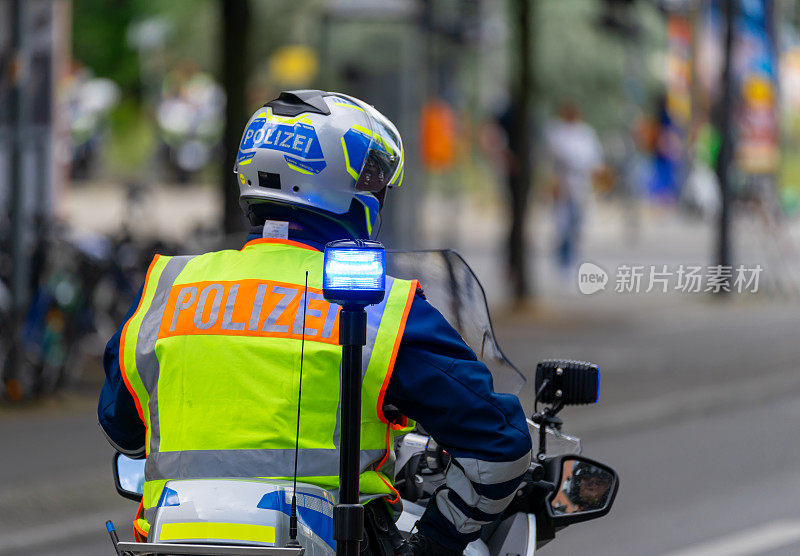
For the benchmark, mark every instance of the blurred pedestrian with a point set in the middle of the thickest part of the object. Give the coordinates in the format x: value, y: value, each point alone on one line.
x: 667, y: 152
x: 576, y: 155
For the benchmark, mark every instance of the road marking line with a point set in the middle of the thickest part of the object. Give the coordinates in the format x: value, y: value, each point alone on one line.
x: 59, y: 531
x: 757, y: 540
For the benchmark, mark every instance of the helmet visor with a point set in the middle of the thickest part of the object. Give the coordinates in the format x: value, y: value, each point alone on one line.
x: 383, y: 163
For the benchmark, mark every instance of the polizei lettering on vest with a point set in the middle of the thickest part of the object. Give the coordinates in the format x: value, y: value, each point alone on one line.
x: 249, y: 308
x: 216, y: 291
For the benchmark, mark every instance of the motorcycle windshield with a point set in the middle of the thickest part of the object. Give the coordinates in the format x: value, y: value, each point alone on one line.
x: 452, y: 287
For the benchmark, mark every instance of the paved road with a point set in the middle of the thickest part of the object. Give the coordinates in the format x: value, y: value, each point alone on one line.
x: 55, y: 478
x: 703, y: 480
x: 684, y: 484
x: 661, y: 356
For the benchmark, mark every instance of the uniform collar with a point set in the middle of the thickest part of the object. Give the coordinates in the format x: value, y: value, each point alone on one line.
x: 296, y: 235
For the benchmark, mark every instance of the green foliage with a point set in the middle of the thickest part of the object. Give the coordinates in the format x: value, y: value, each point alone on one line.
x: 193, y: 29
x: 132, y: 143
x: 194, y: 33
x: 579, y: 59
x: 99, y: 31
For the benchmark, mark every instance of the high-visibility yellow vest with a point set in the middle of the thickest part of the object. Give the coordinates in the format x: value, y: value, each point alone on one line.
x: 212, y: 359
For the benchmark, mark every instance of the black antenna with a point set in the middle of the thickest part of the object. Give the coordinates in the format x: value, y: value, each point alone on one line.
x: 293, y: 513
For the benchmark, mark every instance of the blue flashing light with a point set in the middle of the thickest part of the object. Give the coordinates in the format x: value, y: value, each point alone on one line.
x: 354, y: 272
x: 355, y: 269
x: 597, y: 394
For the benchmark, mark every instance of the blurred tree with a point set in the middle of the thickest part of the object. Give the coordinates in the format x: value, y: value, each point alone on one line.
x: 195, y: 33
x: 99, y: 30
x: 725, y: 158
x: 519, y: 131
x: 235, y: 20
x: 578, y: 58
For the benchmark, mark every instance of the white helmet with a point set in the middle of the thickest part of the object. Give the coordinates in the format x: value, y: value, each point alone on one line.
x: 324, y: 153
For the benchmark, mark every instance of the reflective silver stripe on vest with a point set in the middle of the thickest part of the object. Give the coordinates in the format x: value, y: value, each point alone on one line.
x: 146, y: 360
x: 205, y: 464
x: 374, y: 316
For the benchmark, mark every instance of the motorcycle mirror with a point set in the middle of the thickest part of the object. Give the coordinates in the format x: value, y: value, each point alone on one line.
x: 567, y: 382
x: 129, y: 476
x: 585, y: 489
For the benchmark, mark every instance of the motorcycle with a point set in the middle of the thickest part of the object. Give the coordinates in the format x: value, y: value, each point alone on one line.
x: 190, y: 122
x: 89, y: 101
x: 252, y: 516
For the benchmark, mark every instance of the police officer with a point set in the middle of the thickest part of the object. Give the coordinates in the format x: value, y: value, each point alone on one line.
x: 203, y: 375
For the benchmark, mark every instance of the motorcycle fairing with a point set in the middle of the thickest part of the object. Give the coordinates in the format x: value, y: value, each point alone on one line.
x: 252, y: 512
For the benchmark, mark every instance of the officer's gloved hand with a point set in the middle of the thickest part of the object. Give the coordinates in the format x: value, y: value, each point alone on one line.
x: 419, y: 544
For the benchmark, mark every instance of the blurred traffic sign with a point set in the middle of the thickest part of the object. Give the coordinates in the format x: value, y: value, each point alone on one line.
x: 758, y: 144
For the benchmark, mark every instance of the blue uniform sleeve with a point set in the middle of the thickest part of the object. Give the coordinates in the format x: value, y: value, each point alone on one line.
x: 116, y: 410
x: 439, y: 382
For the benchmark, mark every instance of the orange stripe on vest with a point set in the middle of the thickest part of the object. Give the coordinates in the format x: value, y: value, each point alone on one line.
x: 249, y: 308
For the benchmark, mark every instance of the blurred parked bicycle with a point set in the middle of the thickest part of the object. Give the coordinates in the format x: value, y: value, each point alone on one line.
x: 82, y: 287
